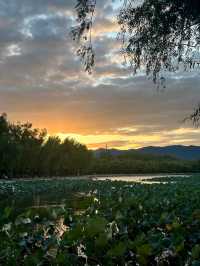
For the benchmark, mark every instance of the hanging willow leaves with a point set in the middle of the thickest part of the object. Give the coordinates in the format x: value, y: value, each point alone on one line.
x: 161, y: 35
x: 156, y: 36
x: 82, y: 32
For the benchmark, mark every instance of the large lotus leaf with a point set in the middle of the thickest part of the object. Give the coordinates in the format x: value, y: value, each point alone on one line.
x: 101, y: 241
x: 117, y: 250
x: 95, y: 226
x: 196, y: 252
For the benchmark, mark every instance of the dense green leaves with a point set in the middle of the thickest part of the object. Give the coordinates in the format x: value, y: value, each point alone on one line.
x: 118, y: 224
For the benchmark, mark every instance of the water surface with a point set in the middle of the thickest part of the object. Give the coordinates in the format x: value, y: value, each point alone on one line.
x: 139, y: 178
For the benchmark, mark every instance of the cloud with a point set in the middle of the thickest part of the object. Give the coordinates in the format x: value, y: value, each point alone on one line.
x: 41, y: 80
x: 46, y: 27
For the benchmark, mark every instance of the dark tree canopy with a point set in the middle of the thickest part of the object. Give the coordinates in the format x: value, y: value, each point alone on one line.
x: 26, y: 152
x: 156, y: 35
x: 82, y: 32
x: 161, y: 34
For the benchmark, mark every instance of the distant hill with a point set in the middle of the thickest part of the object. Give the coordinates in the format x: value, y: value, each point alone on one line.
x: 178, y: 151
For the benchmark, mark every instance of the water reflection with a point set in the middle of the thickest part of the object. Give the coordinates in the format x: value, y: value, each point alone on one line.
x: 139, y: 178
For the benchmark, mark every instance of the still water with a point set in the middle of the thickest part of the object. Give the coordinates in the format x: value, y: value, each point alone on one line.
x: 139, y: 178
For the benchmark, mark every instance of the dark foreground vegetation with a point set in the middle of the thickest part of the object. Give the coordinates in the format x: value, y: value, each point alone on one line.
x: 29, y: 152
x: 114, y: 223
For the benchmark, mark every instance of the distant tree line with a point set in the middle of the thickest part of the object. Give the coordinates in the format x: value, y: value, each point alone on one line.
x: 26, y: 151
x: 132, y: 162
x: 29, y: 152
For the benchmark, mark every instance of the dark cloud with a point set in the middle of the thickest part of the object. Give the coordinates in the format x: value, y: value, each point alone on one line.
x: 41, y: 80
x: 48, y: 27
x: 25, y: 8
x: 108, y: 108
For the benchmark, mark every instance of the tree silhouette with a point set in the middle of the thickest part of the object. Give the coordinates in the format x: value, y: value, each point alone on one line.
x: 27, y: 152
x: 156, y: 35
x: 82, y: 32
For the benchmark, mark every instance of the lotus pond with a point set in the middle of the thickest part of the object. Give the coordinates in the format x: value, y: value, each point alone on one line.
x: 102, y: 222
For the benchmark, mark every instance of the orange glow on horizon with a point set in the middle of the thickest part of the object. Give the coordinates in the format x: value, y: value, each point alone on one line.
x: 94, y: 135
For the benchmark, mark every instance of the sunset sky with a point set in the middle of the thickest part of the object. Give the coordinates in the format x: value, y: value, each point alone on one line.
x: 42, y: 81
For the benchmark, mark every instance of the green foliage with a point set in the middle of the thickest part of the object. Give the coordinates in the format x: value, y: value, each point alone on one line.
x: 95, y: 226
x: 120, y: 224
x: 27, y: 152
x: 134, y: 163
x: 196, y: 252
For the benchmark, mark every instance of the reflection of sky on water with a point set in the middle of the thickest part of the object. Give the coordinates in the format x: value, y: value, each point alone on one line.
x: 138, y: 178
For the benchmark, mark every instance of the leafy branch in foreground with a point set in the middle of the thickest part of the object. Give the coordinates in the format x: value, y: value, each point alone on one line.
x: 161, y: 35
x: 82, y: 32
x: 194, y: 117
x: 156, y: 36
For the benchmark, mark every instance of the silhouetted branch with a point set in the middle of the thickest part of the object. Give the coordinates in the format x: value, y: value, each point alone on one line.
x: 156, y: 35
x: 82, y: 32
x: 194, y: 117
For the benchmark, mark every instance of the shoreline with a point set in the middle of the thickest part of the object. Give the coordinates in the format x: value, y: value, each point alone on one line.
x: 96, y: 177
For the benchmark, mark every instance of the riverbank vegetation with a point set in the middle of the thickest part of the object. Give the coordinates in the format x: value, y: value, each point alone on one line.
x: 29, y: 152
x: 133, y: 162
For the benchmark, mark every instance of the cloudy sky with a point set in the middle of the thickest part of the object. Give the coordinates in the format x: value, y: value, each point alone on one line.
x: 42, y: 81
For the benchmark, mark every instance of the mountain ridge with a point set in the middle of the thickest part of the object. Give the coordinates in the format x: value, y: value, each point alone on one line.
x: 182, y: 152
